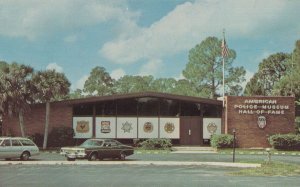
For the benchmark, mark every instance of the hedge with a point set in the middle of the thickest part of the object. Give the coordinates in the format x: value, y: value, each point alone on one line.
x: 156, y: 143
x: 221, y: 141
x: 285, y: 141
x: 58, y: 137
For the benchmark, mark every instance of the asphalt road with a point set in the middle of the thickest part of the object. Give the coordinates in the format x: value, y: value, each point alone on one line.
x: 141, y: 175
x: 131, y: 176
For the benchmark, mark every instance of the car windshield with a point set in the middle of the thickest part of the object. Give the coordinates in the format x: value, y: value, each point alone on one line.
x: 89, y: 143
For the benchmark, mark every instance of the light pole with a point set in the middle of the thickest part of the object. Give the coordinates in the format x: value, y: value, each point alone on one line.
x: 233, y: 154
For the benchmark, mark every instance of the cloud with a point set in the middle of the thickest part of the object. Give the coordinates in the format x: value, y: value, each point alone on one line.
x: 80, y: 83
x: 189, y: 23
x: 248, y: 76
x: 151, y: 68
x: 179, y: 77
x: 117, y: 73
x: 34, y: 18
x: 54, y: 66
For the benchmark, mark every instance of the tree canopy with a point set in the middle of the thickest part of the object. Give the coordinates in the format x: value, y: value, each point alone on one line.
x: 204, y: 69
x: 270, y: 71
x: 289, y: 84
x: 99, y: 82
x: 15, y: 87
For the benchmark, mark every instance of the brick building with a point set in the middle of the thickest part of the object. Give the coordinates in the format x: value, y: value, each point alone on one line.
x: 185, y: 120
x: 256, y: 118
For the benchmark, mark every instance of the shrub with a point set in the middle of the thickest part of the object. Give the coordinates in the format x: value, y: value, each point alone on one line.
x: 61, y: 136
x: 221, y: 141
x: 156, y: 143
x: 285, y: 141
x: 138, y: 142
x: 38, y: 139
x: 297, y: 125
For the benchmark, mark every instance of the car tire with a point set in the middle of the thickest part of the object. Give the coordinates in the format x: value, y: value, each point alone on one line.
x: 25, y: 156
x: 70, y: 159
x: 122, y: 156
x: 93, y: 157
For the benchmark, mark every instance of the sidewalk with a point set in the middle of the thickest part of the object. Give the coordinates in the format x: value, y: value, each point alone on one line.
x: 145, y: 163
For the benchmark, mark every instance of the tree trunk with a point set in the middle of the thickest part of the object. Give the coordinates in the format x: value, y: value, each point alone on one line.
x: 21, y: 123
x: 46, y: 125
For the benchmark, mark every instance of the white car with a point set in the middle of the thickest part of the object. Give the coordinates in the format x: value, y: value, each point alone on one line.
x: 17, y: 147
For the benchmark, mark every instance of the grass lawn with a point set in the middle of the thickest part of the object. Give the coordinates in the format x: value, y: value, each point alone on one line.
x: 257, y: 151
x: 271, y: 169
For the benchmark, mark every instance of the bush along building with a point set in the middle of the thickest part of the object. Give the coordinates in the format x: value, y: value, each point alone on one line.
x: 183, y: 119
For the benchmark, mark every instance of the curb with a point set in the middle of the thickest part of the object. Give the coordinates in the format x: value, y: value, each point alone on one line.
x: 143, y: 163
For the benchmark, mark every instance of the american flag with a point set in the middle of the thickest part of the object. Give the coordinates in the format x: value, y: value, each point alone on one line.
x: 224, y: 48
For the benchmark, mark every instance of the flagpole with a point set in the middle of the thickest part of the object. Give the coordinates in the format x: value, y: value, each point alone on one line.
x: 223, y: 57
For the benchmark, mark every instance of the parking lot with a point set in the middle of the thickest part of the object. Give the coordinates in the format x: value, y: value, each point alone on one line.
x: 122, y: 174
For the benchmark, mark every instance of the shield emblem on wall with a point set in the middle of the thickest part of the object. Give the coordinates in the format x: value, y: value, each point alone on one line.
x: 105, y: 127
x: 82, y: 126
x: 262, y: 122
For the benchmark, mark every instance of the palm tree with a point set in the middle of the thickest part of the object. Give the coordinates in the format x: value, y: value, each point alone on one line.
x: 50, y: 86
x: 15, y: 90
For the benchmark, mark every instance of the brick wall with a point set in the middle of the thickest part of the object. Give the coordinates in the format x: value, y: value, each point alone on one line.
x: 243, y: 112
x: 34, y: 120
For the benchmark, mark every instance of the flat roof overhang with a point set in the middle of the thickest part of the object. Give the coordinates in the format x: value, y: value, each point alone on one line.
x: 140, y: 95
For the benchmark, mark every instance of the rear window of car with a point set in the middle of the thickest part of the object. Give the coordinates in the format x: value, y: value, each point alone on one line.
x: 27, y: 142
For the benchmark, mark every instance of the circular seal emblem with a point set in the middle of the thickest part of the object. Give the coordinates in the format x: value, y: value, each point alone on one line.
x: 169, y: 127
x: 212, y: 128
x: 148, y: 127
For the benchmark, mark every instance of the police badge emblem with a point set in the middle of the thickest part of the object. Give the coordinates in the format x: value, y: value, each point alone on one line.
x: 105, y: 127
x: 262, y: 122
x: 169, y: 127
x: 148, y: 127
x: 126, y: 127
x: 82, y: 126
x: 212, y: 128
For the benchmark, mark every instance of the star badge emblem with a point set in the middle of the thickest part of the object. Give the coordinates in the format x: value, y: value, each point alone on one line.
x: 127, y: 127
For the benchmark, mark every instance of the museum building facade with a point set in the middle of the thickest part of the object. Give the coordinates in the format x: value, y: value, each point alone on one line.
x: 183, y: 119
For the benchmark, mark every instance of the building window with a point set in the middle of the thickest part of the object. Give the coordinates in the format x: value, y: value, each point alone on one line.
x: 169, y: 107
x: 212, y: 111
x: 107, y: 108
x: 127, y: 107
x: 190, y: 109
x: 148, y: 106
x: 83, y: 110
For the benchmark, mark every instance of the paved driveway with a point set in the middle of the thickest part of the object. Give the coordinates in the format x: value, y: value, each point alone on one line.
x: 131, y: 176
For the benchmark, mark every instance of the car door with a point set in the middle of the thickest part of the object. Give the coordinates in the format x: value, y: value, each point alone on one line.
x: 16, y: 148
x: 106, y: 149
x: 5, y: 149
x: 115, y: 149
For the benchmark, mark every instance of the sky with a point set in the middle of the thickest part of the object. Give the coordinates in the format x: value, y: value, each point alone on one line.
x: 141, y: 37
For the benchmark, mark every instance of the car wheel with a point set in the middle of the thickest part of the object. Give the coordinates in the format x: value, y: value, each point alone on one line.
x: 122, y: 156
x: 25, y: 156
x: 93, y: 157
x: 70, y: 159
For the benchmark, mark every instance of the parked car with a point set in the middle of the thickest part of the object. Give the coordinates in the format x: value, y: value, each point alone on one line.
x: 17, y: 147
x: 93, y: 149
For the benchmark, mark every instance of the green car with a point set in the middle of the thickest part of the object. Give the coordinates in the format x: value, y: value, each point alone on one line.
x: 93, y: 149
